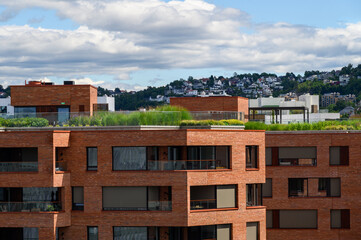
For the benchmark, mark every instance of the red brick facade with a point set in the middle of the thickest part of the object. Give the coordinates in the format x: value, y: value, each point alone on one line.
x: 348, y: 174
x: 73, y: 224
x: 73, y: 96
x: 224, y: 103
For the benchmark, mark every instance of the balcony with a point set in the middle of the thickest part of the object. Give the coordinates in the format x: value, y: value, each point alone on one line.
x: 137, y: 198
x: 171, y: 158
x: 314, y: 187
x: 18, y: 159
x: 30, y: 206
x: 18, y: 166
x: 32, y: 199
x: 254, y: 195
x: 213, y: 197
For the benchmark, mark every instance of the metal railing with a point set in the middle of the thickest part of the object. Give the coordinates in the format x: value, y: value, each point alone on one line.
x: 152, y: 206
x: 203, y: 204
x: 18, y: 166
x: 30, y: 206
x: 164, y: 165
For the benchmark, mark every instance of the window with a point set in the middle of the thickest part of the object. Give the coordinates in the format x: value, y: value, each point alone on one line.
x: 25, y: 111
x: 19, y: 233
x: 252, y: 231
x: 139, y: 233
x: 339, y: 155
x: 222, y: 232
x: 340, y: 218
x: 30, y: 199
x: 297, y: 156
x: 78, y: 198
x: 212, y: 197
x: 269, y: 156
x: 296, y: 187
x: 314, y: 187
x: 18, y: 159
x: 291, y: 219
x: 92, y: 233
x: 130, y: 158
x: 330, y: 186
x: 251, y: 156
x: 92, y: 158
x: 137, y: 198
x: 254, y: 196
x: 267, y: 188
x: 207, y: 157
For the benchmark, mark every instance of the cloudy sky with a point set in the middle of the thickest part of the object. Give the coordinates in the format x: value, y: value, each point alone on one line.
x: 132, y: 44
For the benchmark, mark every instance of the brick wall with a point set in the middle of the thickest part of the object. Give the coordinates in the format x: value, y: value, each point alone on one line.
x: 55, y: 95
x: 74, y: 223
x: 350, y: 184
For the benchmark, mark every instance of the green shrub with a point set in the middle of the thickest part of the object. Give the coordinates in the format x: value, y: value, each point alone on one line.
x: 24, y: 122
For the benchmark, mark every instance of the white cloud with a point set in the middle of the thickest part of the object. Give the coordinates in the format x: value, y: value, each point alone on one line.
x: 86, y: 81
x: 119, y: 37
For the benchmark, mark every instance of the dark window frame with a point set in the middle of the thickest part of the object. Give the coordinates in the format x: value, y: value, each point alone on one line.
x: 91, y: 168
x: 344, y: 156
x: 249, y: 161
x: 345, y: 219
x: 74, y: 206
x: 88, y: 227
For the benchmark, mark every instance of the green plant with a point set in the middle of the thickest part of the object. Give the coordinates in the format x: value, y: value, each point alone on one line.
x: 50, y: 208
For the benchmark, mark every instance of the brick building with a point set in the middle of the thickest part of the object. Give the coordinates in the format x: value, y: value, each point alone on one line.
x: 312, y: 189
x: 127, y: 183
x: 214, y: 104
x: 54, y: 102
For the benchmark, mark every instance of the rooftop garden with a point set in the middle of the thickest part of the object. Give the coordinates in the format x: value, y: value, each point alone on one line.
x: 176, y: 116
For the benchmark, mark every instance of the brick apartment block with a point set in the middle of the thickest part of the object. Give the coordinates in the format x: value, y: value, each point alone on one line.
x: 84, y: 175
x: 47, y: 98
x: 313, y: 185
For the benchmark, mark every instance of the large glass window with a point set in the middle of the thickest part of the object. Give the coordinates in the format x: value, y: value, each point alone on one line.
x: 137, y: 198
x: 125, y: 233
x: 21, y: 112
x: 207, y: 157
x: 251, y: 156
x: 19, y: 233
x: 18, y: 159
x: 92, y: 158
x: 31, y: 199
x: 289, y: 219
x: 314, y: 187
x: 297, y: 156
x: 129, y: 158
x: 212, y: 197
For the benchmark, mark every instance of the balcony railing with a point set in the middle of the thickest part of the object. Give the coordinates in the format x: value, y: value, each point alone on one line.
x: 30, y: 206
x: 18, y: 166
x: 297, y: 162
x: 185, y: 165
x: 60, y: 166
x: 152, y: 206
x: 203, y: 204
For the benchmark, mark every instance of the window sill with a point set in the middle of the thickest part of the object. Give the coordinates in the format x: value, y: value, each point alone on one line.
x: 256, y: 207
x: 214, y: 209
x: 61, y: 172
x: 252, y: 169
x: 313, y: 197
x: 35, y: 172
x: 44, y: 212
x: 118, y: 211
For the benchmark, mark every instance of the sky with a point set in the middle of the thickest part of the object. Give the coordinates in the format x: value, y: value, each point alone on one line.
x: 132, y: 44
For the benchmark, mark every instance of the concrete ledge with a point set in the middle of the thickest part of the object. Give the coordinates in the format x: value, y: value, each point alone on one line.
x: 313, y: 131
x: 214, y: 127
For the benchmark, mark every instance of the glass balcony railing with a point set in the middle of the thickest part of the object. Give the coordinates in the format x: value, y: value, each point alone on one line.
x: 152, y: 206
x: 18, y: 166
x: 203, y: 204
x: 185, y: 165
x: 30, y: 206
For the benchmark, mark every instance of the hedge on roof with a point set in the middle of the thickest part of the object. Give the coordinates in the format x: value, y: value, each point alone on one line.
x: 325, y: 125
x: 24, y: 122
x: 163, y: 115
x: 229, y: 122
